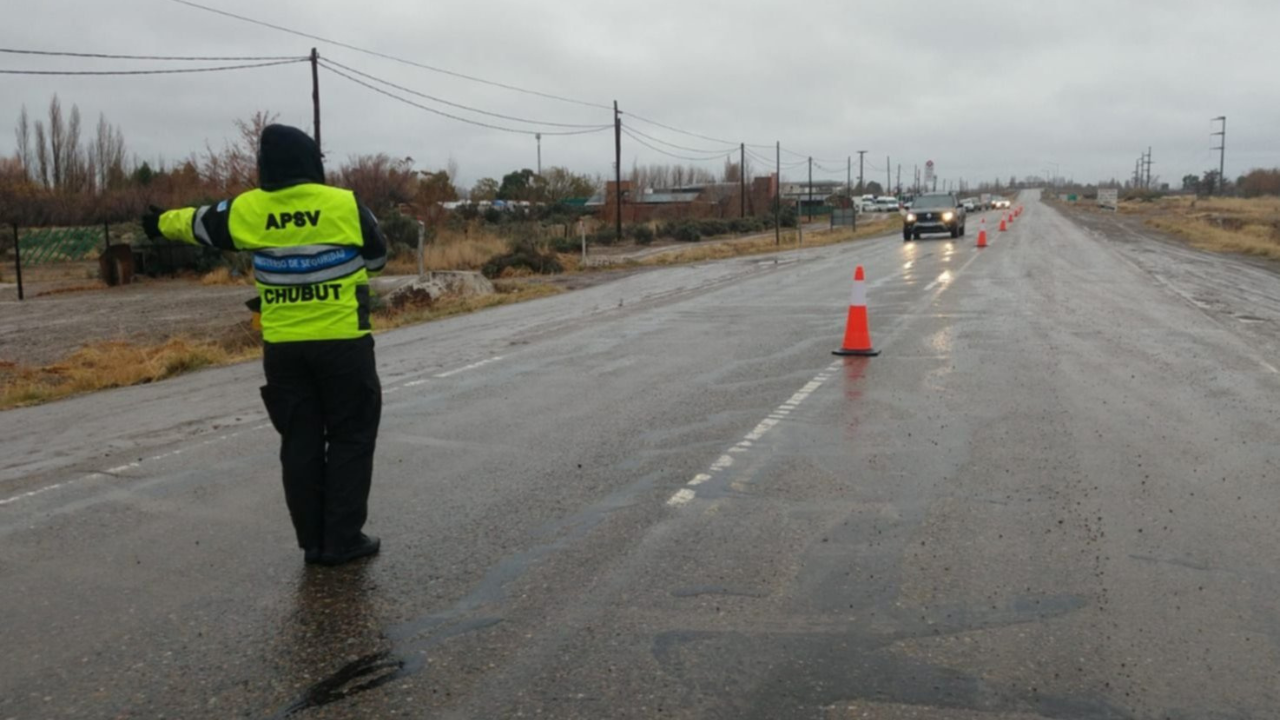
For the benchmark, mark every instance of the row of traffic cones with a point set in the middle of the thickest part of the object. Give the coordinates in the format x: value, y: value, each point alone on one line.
x: 857, y: 328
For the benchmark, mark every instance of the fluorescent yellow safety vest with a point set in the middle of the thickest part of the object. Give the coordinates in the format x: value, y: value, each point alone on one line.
x: 306, y: 242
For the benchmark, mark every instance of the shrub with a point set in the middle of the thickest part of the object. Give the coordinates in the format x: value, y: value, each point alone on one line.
x: 608, y: 236
x: 642, y: 234
x: 566, y: 244
x: 711, y: 227
x: 687, y: 231
x: 401, y: 232
x: 524, y: 257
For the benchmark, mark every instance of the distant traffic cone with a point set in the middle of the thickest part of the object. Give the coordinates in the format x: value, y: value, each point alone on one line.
x: 1003, y: 226
x: 982, y: 234
x: 857, y: 334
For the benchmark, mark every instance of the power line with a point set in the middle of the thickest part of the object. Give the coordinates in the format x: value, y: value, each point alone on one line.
x: 420, y: 106
x: 454, y: 104
x: 385, y: 56
x: 678, y: 147
x: 150, y: 72
x: 628, y: 133
x: 14, y: 51
x: 691, y: 133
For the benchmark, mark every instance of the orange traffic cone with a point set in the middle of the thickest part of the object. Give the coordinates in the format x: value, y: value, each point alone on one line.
x: 982, y: 234
x: 857, y: 334
x: 1002, y: 225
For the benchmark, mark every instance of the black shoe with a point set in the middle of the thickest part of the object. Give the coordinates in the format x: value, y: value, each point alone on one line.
x: 312, y: 556
x: 366, y: 546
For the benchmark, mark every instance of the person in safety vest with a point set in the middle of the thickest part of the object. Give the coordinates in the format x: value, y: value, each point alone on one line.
x: 314, y: 248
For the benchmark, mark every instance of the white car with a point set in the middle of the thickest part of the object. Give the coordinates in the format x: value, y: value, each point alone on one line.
x: 887, y: 204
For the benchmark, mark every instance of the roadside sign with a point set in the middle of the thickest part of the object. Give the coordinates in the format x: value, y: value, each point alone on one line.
x: 928, y: 173
x: 1109, y: 198
x: 844, y: 217
x: 1072, y: 197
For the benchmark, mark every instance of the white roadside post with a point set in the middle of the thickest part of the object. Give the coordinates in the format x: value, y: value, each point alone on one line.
x: 422, y: 233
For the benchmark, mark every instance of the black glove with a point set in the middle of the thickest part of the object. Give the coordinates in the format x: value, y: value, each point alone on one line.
x: 151, y: 222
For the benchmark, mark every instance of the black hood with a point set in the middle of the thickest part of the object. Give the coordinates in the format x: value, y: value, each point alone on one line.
x: 288, y: 156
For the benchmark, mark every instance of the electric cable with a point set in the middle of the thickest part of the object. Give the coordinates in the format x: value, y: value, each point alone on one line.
x: 52, y: 53
x: 385, y: 56
x: 491, y: 126
x: 173, y: 71
x: 629, y: 134
x: 442, y: 101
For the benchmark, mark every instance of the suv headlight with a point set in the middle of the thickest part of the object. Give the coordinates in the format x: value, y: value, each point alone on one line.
x: 946, y: 216
x: 911, y: 217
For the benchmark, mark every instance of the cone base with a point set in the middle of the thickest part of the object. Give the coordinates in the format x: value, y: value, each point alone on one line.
x: 856, y: 353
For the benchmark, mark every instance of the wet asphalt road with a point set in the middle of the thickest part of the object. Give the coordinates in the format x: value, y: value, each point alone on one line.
x: 1054, y: 495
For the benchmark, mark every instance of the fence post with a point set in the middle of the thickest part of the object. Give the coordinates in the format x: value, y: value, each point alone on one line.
x: 106, y: 234
x: 17, y: 258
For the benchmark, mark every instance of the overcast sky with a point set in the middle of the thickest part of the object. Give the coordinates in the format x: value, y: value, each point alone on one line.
x: 984, y: 88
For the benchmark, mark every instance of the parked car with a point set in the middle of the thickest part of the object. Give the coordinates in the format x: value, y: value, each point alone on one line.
x: 934, y: 213
x: 867, y: 203
x: 970, y: 205
x: 887, y: 204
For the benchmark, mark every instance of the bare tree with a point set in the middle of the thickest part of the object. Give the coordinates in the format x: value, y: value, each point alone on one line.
x: 42, y: 153
x: 57, y: 141
x: 72, y: 161
x: 23, y: 135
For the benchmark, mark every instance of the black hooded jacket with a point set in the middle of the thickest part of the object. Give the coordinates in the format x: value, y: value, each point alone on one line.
x: 286, y: 157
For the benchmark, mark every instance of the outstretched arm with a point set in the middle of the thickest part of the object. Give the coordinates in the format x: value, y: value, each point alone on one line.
x: 206, y: 225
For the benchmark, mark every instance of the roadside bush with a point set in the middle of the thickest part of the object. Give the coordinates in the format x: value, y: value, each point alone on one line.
x: 524, y: 256
x: 687, y: 231
x: 566, y: 244
x: 607, y: 236
x: 642, y: 234
x: 401, y: 232
x: 712, y: 226
x: 748, y: 224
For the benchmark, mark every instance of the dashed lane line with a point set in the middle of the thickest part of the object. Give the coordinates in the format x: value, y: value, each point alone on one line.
x: 687, y: 494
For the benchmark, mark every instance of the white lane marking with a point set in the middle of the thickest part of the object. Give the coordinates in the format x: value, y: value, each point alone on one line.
x: 32, y: 493
x: 686, y: 495
x: 681, y: 497
x: 465, y: 368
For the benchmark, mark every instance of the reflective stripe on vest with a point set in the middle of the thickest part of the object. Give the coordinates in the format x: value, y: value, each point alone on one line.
x: 311, y: 277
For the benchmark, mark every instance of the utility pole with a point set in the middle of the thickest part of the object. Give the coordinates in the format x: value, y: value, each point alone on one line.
x: 888, y: 176
x: 777, y: 196
x: 1148, y: 181
x: 1222, y: 152
x: 899, y: 188
x: 862, y: 189
x: 17, y: 259
x: 315, y: 96
x: 1137, y: 172
x: 742, y: 179
x: 809, y: 199
x: 539, y: 137
x: 915, y: 180
x: 617, y: 165
x: 848, y: 178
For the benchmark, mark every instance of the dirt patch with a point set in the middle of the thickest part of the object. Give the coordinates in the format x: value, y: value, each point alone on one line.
x: 44, y: 329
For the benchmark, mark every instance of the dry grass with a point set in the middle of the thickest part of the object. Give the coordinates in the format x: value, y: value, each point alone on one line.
x: 1247, y: 226
x: 759, y: 246
x: 451, y: 251
x: 221, y: 275
x: 509, y: 291
x: 111, y: 364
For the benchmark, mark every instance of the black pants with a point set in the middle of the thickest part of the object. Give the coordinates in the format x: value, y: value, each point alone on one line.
x: 325, y: 400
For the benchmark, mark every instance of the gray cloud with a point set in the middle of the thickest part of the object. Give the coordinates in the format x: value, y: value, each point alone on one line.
x: 985, y: 88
